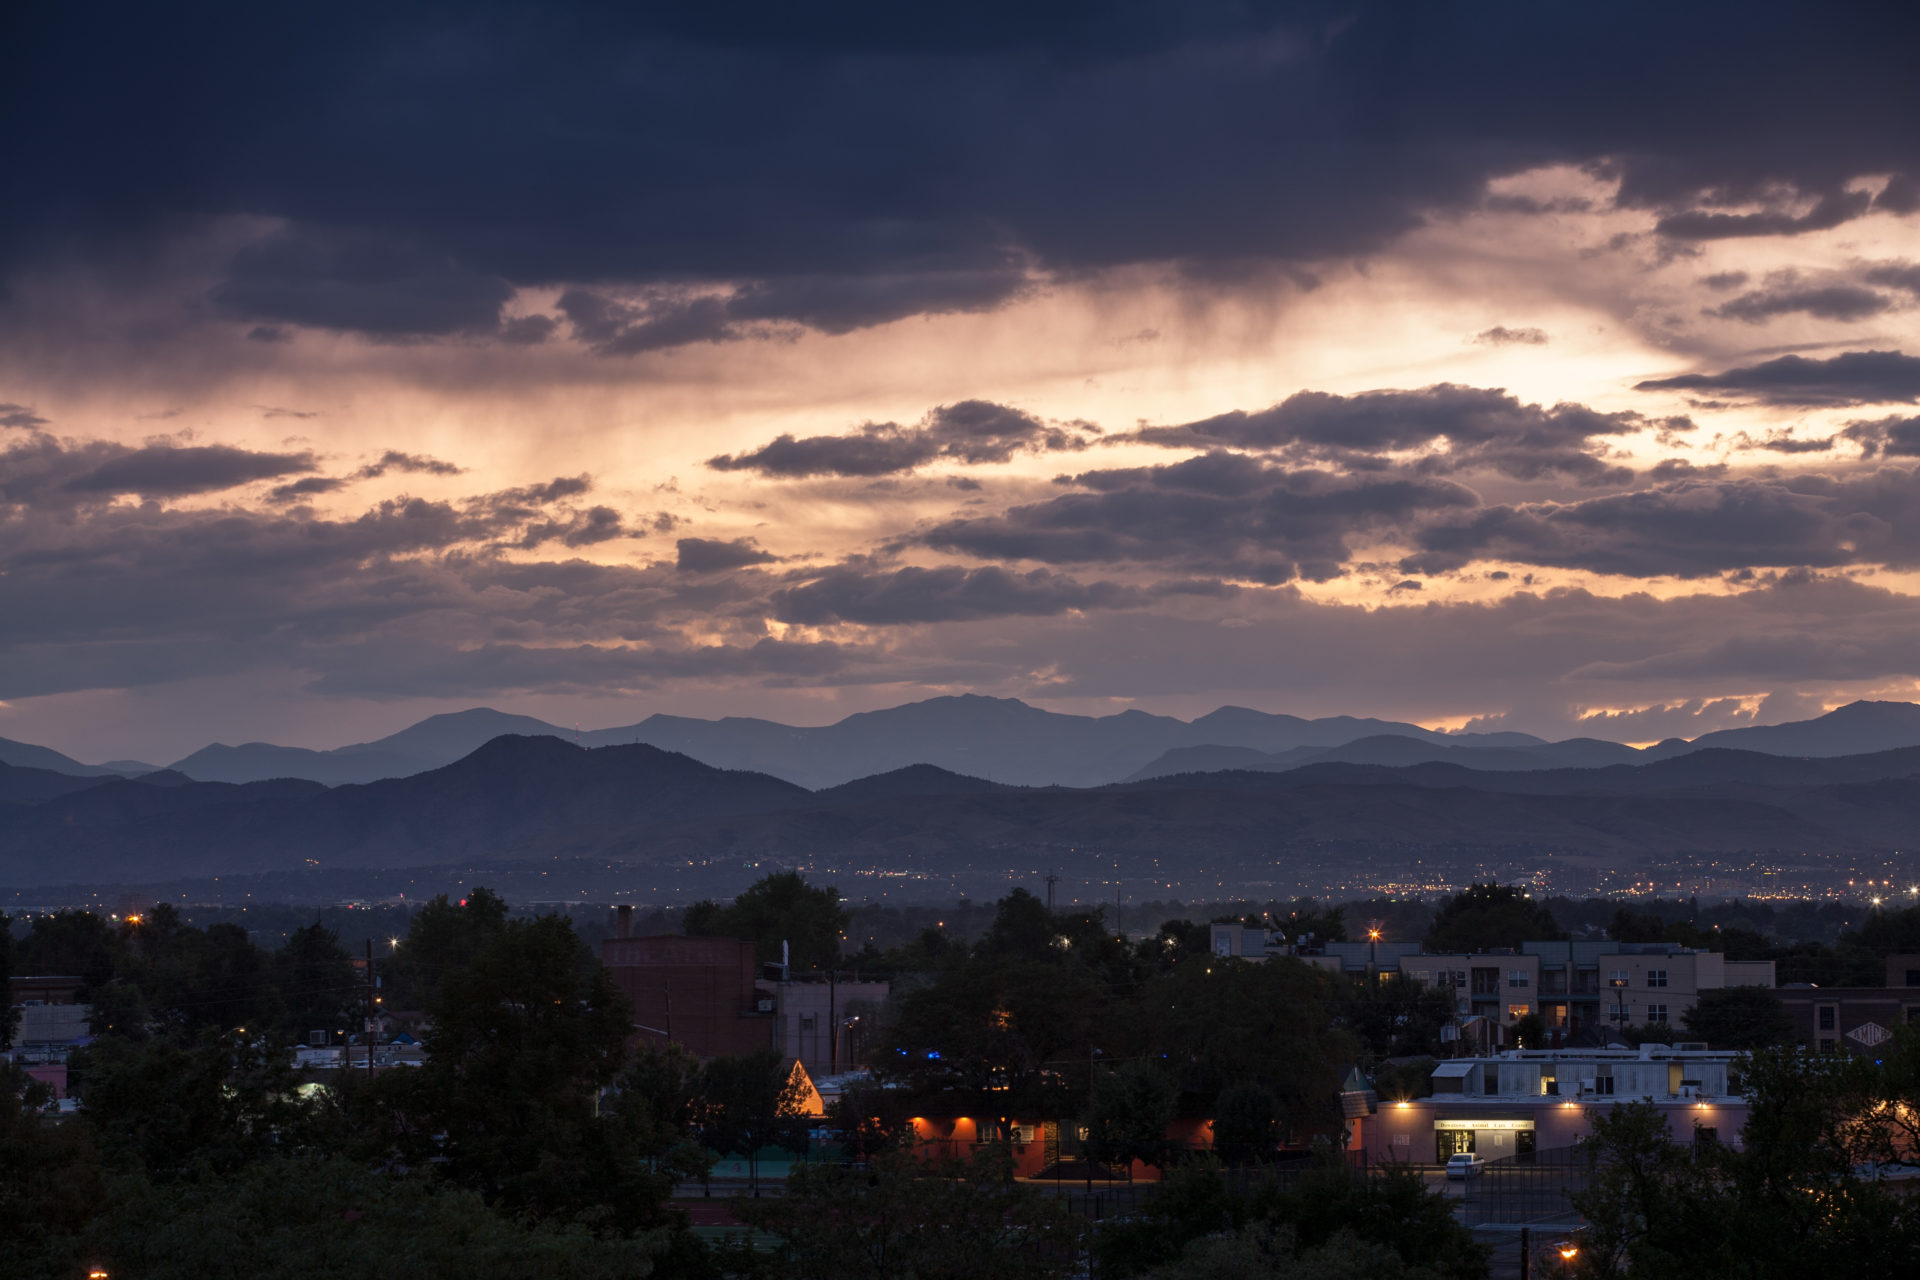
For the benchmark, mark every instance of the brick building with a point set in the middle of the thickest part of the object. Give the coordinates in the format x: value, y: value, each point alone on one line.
x: 699, y: 992
x: 1856, y: 1019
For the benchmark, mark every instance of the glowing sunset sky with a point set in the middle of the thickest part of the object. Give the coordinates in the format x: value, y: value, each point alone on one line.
x: 1517, y: 365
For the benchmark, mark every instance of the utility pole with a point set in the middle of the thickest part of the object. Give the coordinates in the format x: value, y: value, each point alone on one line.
x: 1052, y: 880
x: 833, y: 1022
x: 370, y: 1008
x: 1526, y: 1254
x: 668, y: 993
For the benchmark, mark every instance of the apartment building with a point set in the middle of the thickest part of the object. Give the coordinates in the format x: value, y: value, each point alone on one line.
x: 1583, y: 987
x: 1520, y: 1102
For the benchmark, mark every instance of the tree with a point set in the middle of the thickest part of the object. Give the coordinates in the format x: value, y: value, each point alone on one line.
x: 1529, y: 1031
x: 1393, y: 1207
x: 655, y: 1111
x: 1246, y: 1123
x: 1128, y: 1113
x: 51, y: 1184
x: 9, y: 1016
x: 1311, y: 1229
x: 988, y: 1037
x: 1022, y: 928
x: 950, y: 1220
x: 1268, y: 1251
x: 1486, y: 916
x: 1307, y: 917
x: 1212, y: 1023
x: 443, y: 939
x: 71, y: 942
x: 1405, y: 1080
x: 1739, y: 1018
x: 524, y: 1038
x: 315, y: 985
x: 778, y: 908
x: 176, y: 1104
x: 327, y: 1219
x: 1650, y: 926
x: 751, y: 1101
x: 1798, y: 1196
x: 1395, y: 1015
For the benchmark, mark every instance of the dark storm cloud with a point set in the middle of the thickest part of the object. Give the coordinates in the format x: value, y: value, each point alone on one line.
x: 1894, y: 275
x: 580, y: 529
x: 755, y: 168
x: 213, y: 592
x: 972, y: 431
x: 1501, y: 336
x: 391, y: 460
x: 429, y: 670
x: 1695, y: 528
x: 1853, y: 377
x: 945, y: 594
x: 47, y: 470
x: 310, y: 487
x: 1823, y: 302
x: 526, y: 497
x: 20, y: 417
x: 1220, y: 513
x: 615, y: 327
x: 1784, y: 443
x: 1483, y: 428
x: 715, y: 555
x: 412, y: 463
x: 528, y: 331
x: 1832, y: 209
x: 1894, y: 437
x: 361, y: 283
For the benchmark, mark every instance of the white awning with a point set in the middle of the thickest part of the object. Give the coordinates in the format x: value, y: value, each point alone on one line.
x: 1451, y: 1070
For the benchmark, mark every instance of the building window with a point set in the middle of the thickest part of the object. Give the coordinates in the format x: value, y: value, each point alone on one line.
x: 1829, y: 1017
x: 1492, y: 1080
x: 1515, y: 1012
x: 1517, y: 977
x: 1913, y: 977
x: 1656, y: 977
x: 1618, y: 977
x: 1657, y: 1014
x: 1603, y: 1081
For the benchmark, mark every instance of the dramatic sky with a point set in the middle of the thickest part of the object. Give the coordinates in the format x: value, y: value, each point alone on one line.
x: 1524, y: 365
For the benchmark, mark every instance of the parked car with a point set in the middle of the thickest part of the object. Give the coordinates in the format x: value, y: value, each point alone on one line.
x: 1464, y: 1165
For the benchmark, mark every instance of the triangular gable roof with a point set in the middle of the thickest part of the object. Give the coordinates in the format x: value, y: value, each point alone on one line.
x: 811, y: 1103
